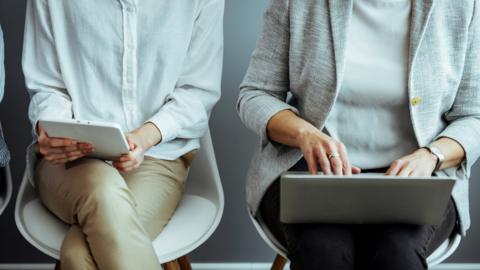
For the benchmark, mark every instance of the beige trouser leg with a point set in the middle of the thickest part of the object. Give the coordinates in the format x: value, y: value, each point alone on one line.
x: 114, y: 216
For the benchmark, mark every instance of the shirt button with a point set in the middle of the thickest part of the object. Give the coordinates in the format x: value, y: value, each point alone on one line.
x: 416, y: 101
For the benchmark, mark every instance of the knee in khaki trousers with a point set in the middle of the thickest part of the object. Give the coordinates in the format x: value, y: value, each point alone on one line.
x: 114, y: 216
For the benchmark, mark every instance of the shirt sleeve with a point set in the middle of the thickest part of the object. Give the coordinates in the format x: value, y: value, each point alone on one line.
x: 187, y: 110
x: 49, y: 98
x: 464, y: 116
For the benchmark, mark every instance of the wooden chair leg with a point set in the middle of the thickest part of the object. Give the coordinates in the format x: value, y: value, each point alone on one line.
x: 279, y: 263
x: 184, y: 263
x: 173, y: 265
x: 57, y: 266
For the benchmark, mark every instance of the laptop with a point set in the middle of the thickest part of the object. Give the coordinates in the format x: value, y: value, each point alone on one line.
x: 370, y: 198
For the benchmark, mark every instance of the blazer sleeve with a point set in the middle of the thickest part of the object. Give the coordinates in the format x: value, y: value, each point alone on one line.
x: 263, y: 92
x: 464, y: 116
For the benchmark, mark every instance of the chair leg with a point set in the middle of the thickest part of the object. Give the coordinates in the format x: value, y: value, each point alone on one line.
x: 279, y: 263
x: 173, y: 265
x: 57, y: 266
x: 184, y: 263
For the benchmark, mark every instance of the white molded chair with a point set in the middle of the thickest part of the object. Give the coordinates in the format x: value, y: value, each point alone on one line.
x: 5, y: 188
x: 194, y: 221
x: 442, y: 253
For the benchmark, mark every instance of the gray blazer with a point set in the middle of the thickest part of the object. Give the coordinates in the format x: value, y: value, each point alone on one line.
x: 301, y: 52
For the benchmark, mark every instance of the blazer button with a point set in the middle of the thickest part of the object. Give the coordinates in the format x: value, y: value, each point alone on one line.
x: 416, y: 100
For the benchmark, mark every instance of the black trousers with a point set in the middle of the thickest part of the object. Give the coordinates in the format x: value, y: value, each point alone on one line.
x: 347, y: 247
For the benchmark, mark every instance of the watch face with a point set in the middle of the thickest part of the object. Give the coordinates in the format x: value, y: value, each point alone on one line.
x: 440, y: 158
x: 437, y: 152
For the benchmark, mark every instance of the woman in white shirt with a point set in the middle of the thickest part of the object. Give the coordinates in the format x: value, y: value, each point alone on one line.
x: 154, y: 68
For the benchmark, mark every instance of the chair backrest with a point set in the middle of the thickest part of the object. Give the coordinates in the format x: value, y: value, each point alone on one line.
x: 204, y: 181
x: 440, y: 255
x: 204, y: 178
x: 5, y: 188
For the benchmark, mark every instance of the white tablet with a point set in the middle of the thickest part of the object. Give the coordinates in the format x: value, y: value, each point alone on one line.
x: 107, y: 138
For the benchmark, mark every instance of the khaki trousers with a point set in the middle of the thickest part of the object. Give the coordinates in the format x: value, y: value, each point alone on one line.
x: 114, y: 216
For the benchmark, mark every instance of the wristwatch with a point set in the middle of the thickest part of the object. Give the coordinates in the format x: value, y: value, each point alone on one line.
x: 438, y: 154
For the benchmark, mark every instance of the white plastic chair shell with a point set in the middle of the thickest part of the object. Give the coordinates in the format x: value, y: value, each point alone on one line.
x: 194, y: 221
x: 442, y: 253
x: 5, y: 189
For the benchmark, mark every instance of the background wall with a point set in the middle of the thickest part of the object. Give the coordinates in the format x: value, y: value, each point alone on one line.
x: 235, y: 240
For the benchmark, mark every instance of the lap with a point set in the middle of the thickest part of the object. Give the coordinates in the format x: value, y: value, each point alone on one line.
x: 424, y: 238
x: 155, y: 188
x: 61, y: 187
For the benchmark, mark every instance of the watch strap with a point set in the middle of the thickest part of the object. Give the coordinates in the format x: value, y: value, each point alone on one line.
x: 437, y: 153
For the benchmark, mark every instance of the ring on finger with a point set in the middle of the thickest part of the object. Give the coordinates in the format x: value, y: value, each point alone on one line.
x: 333, y: 155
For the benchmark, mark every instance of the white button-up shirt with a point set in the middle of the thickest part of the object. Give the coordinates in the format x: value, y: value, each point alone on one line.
x: 127, y: 62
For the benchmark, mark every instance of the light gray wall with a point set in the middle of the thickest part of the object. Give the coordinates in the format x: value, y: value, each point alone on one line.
x: 235, y: 240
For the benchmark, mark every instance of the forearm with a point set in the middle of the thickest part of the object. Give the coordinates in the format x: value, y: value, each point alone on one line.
x: 287, y: 128
x: 452, y: 150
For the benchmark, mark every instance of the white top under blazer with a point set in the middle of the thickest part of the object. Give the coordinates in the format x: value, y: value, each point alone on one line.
x: 371, y: 115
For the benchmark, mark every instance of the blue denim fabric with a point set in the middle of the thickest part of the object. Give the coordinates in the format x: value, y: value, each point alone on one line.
x: 4, y: 153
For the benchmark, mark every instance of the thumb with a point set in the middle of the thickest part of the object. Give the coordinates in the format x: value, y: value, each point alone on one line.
x: 131, y: 144
x: 42, y: 135
x: 356, y: 170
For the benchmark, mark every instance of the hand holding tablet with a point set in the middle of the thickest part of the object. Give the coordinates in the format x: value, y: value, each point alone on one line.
x: 61, y: 150
x: 67, y: 140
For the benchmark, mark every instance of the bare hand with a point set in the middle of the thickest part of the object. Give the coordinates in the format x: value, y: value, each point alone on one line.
x: 420, y: 164
x: 135, y: 156
x: 61, y: 150
x: 139, y: 141
x: 319, y: 148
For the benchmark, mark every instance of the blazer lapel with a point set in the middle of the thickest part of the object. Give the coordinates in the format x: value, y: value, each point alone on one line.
x: 340, y: 14
x: 421, y: 11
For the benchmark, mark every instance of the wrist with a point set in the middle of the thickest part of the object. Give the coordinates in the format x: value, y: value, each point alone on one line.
x: 428, y: 155
x: 302, y: 134
x: 149, y: 135
x: 436, y: 155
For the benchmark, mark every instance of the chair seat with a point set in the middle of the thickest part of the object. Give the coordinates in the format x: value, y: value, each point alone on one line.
x: 43, y: 227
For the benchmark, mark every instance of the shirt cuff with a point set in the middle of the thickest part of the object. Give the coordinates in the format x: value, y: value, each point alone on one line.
x: 47, y: 116
x: 167, y: 125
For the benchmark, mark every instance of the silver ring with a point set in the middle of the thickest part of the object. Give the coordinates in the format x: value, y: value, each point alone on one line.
x: 333, y: 155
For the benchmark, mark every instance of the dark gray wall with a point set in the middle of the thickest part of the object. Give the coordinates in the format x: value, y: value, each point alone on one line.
x: 235, y: 240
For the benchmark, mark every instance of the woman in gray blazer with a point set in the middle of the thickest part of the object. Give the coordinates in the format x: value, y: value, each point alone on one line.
x: 372, y: 85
